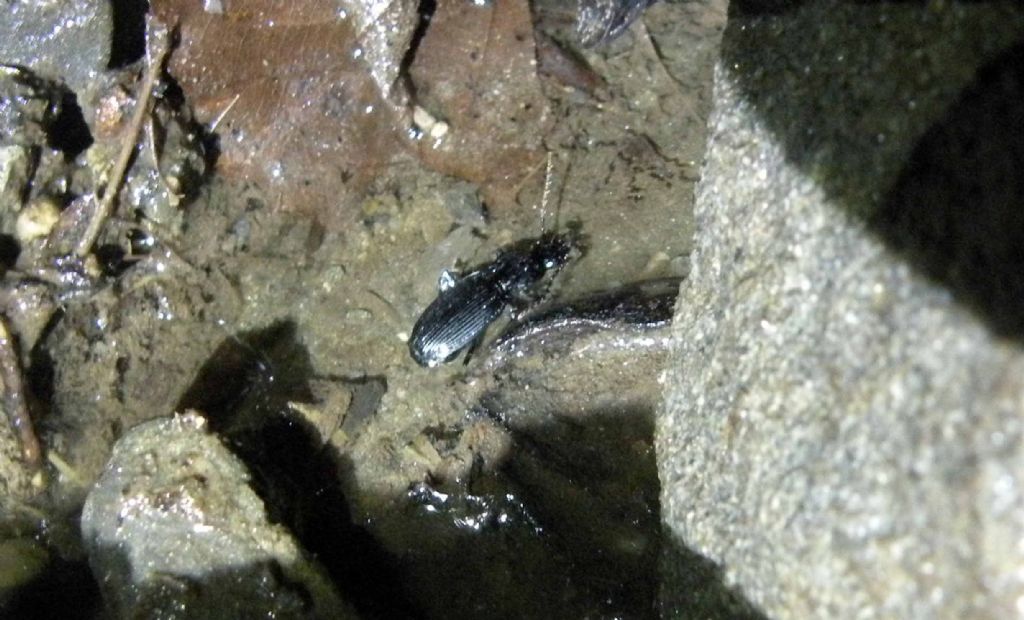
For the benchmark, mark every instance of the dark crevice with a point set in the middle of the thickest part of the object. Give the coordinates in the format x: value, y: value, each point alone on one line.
x: 597, y: 499
x: 128, y: 40
x: 426, y: 14
x: 39, y: 377
x: 172, y: 94
x: 9, y: 250
x: 952, y: 207
x: 763, y: 7
x: 299, y: 481
x: 65, y: 590
x: 699, y: 588
x: 68, y: 131
x: 955, y: 210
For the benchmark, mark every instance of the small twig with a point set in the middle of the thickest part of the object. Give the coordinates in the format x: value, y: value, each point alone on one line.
x: 156, y: 54
x: 14, y: 398
x: 65, y: 469
x: 220, y: 117
x: 154, y: 155
x: 547, y: 189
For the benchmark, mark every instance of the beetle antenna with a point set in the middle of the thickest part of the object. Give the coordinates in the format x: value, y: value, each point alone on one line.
x: 544, y: 198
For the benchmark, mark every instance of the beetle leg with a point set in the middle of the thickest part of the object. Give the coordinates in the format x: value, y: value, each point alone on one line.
x: 473, y: 347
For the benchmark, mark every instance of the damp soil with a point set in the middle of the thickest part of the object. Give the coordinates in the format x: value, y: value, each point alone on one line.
x: 423, y: 492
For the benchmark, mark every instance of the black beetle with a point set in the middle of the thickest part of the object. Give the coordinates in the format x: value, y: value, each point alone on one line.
x: 466, y: 306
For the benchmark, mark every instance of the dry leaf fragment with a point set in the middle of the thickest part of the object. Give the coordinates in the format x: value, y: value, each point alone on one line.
x: 310, y: 123
x: 475, y: 70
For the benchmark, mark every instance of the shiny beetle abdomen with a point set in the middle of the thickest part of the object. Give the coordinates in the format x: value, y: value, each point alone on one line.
x: 456, y: 318
x: 463, y: 311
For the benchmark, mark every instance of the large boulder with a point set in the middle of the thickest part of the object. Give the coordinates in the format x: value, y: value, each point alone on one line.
x: 843, y: 431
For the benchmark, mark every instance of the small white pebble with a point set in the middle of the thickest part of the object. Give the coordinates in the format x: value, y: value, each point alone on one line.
x: 439, y: 130
x: 36, y: 220
x: 423, y: 119
x: 429, y: 125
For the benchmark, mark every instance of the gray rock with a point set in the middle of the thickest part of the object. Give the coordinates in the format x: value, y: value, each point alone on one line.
x: 843, y: 430
x: 67, y: 41
x: 173, y: 529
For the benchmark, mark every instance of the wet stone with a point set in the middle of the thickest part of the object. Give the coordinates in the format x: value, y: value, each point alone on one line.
x: 173, y: 527
x: 843, y: 429
x: 65, y: 41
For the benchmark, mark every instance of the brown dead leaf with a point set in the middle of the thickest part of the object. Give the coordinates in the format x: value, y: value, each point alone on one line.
x: 475, y: 70
x: 303, y: 116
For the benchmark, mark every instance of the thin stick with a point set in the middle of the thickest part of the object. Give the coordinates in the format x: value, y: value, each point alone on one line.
x: 156, y: 56
x: 220, y: 117
x: 14, y: 398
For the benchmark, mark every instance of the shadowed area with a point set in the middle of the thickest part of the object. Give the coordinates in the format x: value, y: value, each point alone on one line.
x: 567, y: 523
x: 957, y: 209
x: 934, y: 175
